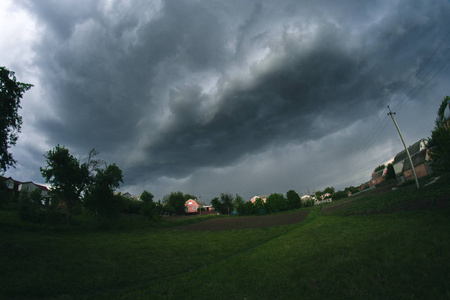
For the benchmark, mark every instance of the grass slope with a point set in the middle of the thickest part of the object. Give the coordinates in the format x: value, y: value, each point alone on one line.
x: 394, y: 245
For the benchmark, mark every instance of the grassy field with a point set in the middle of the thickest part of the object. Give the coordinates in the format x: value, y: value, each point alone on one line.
x: 381, y: 245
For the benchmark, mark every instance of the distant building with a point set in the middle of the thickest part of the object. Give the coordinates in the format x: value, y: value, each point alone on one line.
x: 128, y: 195
x: 377, y: 177
x: 17, y: 187
x: 12, y: 185
x: 191, y: 206
x: 422, y: 165
x: 401, y: 158
x: 264, y: 198
x: 306, y: 198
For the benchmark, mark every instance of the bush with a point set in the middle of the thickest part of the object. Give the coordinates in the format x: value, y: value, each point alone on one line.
x: 54, y: 216
x: 29, y: 210
x: 339, y: 195
x: 131, y: 206
x: 308, y: 203
x: 150, y: 211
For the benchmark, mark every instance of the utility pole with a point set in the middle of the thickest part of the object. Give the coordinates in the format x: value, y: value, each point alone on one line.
x: 406, y: 148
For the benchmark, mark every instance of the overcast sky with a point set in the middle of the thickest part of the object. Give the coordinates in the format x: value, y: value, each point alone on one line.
x: 241, y: 97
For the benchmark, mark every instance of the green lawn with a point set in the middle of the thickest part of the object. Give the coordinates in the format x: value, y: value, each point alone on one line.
x: 382, y: 247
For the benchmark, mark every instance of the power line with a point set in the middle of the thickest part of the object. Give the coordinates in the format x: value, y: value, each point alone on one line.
x: 404, y: 144
x: 420, y: 70
x: 425, y: 84
x: 377, y: 129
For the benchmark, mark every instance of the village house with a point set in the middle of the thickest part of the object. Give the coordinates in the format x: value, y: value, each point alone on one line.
x: 377, y: 177
x: 422, y: 165
x: 365, y: 186
x: 264, y: 198
x: 324, y: 200
x: 304, y: 199
x: 17, y: 187
x: 12, y: 185
x: 401, y: 158
x: 191, y: 206
x: 31, y: 186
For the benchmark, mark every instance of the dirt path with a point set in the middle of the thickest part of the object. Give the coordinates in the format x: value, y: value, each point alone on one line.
x: 247, y: 222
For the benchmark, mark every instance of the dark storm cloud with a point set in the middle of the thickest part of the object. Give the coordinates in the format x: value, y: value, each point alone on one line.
x: 103, y: 78
x: 131, y: 83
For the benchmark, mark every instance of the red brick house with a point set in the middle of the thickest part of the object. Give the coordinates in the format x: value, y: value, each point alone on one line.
x: 401, y: 159
x: 421, y: 161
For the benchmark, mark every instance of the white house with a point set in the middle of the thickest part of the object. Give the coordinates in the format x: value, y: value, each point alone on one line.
x: 31, y: 186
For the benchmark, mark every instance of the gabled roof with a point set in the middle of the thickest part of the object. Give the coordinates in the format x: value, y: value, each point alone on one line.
x: 200, y: 202
x: 418, y: 159
x: 42, y: 187
x: 13, y: 180
x: 191, y: 202
x: 413, y: 149
x: 378, y: 174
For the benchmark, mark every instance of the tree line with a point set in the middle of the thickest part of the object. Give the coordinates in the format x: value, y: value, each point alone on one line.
x: 276, y: 202
x: 76, y: 186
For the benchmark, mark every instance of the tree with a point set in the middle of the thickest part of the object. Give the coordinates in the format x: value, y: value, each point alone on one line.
x: 146, y: 197
x: 440, y: 120
x: 259, y: 206
x: 174, y: 203
x: 293, y: 200
x: 67, y: 176
x: 100, y: 198
x: 227, y: 202
x: 217, y: 205
x: 390, y: 172
x: 330, y: 190
x: 189, y: 196
x: 379, y: 168
x: 224, y: 204
x: 149, y: 208
x: 248, y: 208
x: 439, y: 142
x: 275, y: 203
x: 440, y: 149
x: 339, y: 195
x: 11, y: 91
x: 353, y: 189
x: 239, y: 203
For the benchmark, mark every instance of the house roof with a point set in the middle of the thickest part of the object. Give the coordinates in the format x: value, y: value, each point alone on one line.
x: 42, y: 187
x: 378, y: 174
x: 199, y: 202
x: 195, y: 202
x: 10, y: 178
x: 413, y: 149
x: 418, y: 159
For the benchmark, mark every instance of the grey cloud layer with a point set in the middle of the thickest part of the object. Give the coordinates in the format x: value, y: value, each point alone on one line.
x: 186, y: 85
